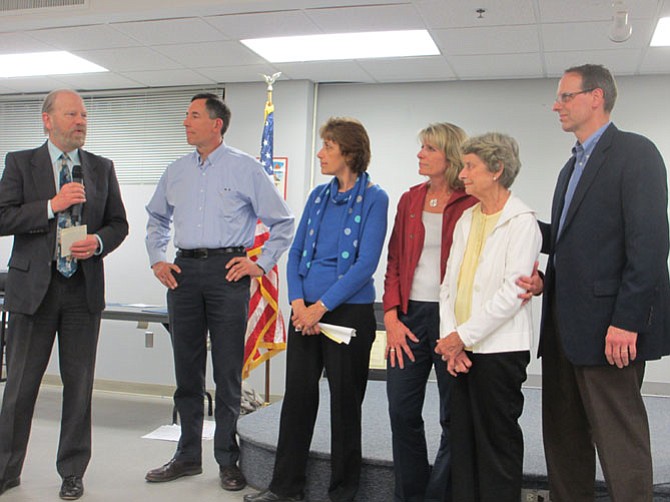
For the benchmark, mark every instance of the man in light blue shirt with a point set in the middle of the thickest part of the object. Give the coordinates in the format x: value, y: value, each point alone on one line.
x: 214, y: 196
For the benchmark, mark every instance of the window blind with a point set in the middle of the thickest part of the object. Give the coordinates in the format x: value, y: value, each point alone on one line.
x: 141, y: 131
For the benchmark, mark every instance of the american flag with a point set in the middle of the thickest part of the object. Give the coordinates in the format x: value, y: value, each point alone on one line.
x: 266, y: 332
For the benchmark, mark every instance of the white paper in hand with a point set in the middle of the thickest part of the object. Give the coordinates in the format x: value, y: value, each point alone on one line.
x: 69, y: 236
x: 338, y: 334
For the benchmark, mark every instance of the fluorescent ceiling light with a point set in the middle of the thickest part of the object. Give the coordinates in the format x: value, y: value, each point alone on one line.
x: 661, y: 36
x: 377, y: 44
x: 45, y: 63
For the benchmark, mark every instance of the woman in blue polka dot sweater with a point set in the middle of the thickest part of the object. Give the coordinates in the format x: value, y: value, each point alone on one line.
x: 335, y: 252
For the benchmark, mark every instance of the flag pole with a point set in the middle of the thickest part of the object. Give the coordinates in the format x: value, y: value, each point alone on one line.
x: 269, y: 80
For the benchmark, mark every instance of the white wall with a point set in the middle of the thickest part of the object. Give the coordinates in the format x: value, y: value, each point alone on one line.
x: 392, y: 114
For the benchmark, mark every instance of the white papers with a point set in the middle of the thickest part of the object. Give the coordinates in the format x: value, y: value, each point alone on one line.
x: 338, y: 334
x: 69, y: 236
x: 172, y: 432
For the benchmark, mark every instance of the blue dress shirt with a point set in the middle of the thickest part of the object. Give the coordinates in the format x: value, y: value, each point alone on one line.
x: 216, y: 204
x: 582, y: 153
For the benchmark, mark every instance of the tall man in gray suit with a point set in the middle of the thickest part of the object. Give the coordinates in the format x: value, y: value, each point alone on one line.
x: 44, y: 297
x: 606, y: 306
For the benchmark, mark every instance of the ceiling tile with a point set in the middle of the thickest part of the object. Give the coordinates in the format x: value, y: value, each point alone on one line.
x: 210, y: 54
x: 171, y: 31
x: 165, y: 78
x: 591, y: 10
x: 95, y: 81
x: 502, y: 65
x: 265, y: 24
x: 325, y: 71
x: 11, y: 43
x: 620, y: 61
x: 33, y: 84
x: 656, y: 60
x: 129, y: 59
x: 591, y: 36
x: 508, y: 39
x: 462, y: 14
x: 368, y: 18
x: 99, y: 36
x: 408, y: 69
x: 249, y: 73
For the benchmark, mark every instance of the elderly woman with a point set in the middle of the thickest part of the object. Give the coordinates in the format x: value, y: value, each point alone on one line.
x: 335, y: 252
x: 417, y: 259
x: 486, y: 328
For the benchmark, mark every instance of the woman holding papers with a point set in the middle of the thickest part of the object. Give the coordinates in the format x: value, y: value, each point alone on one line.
x: 485, y: 328
x: 417, y: 258
x: 335, y: 252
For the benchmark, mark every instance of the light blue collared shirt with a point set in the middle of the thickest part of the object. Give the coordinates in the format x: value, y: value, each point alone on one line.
x: 55, y: 154
x: 216, y: 204
x: 582, y: 152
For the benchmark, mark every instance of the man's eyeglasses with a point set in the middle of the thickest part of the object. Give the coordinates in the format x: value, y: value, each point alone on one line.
x: 566, y: 97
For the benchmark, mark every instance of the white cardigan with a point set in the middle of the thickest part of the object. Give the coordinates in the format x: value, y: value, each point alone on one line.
x: 498, y: 322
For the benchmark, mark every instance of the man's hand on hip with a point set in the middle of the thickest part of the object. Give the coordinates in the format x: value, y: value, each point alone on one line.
x: 163, y: 271
x: 241, y: 266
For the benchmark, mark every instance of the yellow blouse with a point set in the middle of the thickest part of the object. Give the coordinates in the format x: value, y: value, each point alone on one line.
x: 482, y: 226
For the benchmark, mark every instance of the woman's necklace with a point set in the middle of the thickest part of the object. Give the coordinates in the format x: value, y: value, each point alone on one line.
x: 433, y: 201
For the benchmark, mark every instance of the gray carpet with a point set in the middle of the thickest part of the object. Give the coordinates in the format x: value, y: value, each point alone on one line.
x: 258, y: 438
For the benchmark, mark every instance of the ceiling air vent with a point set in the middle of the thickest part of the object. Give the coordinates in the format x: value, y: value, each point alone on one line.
x: 14, y: 5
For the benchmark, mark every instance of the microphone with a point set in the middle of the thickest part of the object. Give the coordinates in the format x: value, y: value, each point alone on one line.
x: 77, y: 177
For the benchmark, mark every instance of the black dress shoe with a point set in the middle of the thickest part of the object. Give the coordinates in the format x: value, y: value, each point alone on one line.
x: 232, y: 478
x: 72, y: 488
x: 268, y: 496
x: 6, y: 484
x: 172, y: 470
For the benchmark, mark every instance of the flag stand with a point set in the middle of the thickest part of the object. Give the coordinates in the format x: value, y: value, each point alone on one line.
x: 267, y: 382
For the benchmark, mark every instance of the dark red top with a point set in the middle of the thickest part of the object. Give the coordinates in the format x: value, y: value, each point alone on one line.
x: 407, y: 239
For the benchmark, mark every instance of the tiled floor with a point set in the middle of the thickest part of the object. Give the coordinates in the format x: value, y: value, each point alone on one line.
x: 120, y: 457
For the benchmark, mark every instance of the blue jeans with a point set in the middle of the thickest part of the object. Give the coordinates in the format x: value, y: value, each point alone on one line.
x: 415, y: 481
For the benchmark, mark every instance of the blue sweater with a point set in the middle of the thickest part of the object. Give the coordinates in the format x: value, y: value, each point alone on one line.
x: 321, y: 282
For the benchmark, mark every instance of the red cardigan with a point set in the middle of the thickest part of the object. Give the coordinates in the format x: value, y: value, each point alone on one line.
x: 407, y: 239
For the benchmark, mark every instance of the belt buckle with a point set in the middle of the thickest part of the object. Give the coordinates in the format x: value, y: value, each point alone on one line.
x: 204, y: 254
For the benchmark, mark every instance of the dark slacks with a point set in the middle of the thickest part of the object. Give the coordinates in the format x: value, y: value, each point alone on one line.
x: 347, y: 371
x: 486, y: 439
x: 415, y: 481
x: 205, y: 301
x: 585, y: 408
x: 30, y: 339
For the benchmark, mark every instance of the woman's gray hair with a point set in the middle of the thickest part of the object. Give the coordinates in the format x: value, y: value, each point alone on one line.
x: 496, y: 150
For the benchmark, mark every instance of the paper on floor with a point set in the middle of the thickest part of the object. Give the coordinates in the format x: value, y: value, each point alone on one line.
x: 173, y: 431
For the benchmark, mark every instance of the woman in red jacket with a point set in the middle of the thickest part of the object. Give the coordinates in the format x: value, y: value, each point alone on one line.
x: 417, y: 258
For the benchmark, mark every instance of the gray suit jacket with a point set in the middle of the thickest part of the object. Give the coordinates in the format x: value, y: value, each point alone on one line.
x: 609, y: 266
x: 27, y: 183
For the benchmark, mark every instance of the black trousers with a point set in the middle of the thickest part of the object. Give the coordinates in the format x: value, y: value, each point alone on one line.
x: 347, y: 371
x: 415, y: 481
x: 205, y: 301
x: 585, y: 408
x: 30, y: 339
x: 486, y: 439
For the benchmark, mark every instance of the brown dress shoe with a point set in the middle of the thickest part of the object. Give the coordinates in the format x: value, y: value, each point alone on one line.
x: 232, y: 478
x: 172, y: 470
